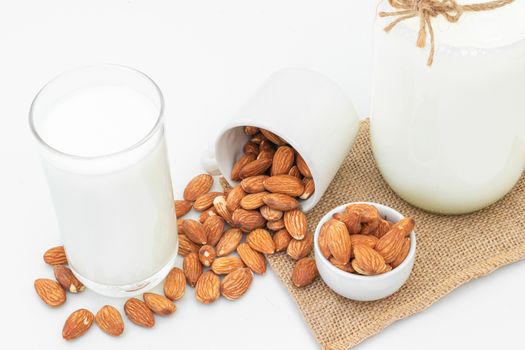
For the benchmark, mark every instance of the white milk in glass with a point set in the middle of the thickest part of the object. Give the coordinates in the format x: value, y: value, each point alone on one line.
x: 113, y: 198
x: 450, y: 138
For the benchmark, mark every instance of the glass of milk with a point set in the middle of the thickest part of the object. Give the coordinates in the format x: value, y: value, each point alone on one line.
x: 101, y: 136
x: 450, y: 138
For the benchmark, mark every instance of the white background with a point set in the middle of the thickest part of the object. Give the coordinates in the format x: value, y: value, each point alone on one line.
x: 207, y: 56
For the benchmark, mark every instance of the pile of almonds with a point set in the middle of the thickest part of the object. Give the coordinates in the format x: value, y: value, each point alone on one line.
x: 224, y: 247
x: 108, y: 318
x: 257, y: 217
x: 358, y: 240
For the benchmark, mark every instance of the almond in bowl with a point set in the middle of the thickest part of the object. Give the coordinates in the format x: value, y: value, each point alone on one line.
x: 365, y: 251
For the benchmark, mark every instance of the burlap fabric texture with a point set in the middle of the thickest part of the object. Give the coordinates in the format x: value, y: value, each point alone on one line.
x: 451, y: 250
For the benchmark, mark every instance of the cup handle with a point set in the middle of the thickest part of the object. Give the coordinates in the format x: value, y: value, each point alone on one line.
x: 209, y: 163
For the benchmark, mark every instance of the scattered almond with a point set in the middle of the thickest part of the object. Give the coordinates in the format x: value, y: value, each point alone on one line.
x: 226, y: 264
x: 175, y: 284
x: 298, y: 249
x: 254, y: 184
x: 192, y: 268
x: 222, y: 210
x: 281, y: 239
x: 77, y: 324
x: 253, y: 259
x: 206, y: 255
x: 214, y: 227
x: 270, y: 214
x: 261, y: 241
x: 248, y: 220
x: 275, y: 225
x: 279, y: 201
x: 233, y: 200
x: 138, y: 312
x: 236, y: 283
x: 55, y: 256
x: 182, y: 208
x: 159, y: 304
x: 283, y: 160
x: 205, y: 201
x: 198, y: 186
x: 51, y: 292
x: 253, y: 200
x: 208, y: 288
x: 295, y: 223
x: 186, y: 246
x: 109, y: 320
x: 67, y: 280
x: 195, y: 231
x: 284, y: 184
x: 304, y: 272
x: 229, y: 242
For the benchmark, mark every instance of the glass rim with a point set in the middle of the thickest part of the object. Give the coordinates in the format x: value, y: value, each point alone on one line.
x: 144, y: 139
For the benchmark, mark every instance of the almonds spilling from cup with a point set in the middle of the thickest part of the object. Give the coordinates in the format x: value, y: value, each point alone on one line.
x: 358, y: 240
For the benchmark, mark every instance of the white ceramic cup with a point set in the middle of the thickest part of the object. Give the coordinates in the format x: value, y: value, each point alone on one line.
x: 306, y: 109
x: 364, y: 288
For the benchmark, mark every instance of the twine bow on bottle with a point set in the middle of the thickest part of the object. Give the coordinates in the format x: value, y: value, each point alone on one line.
x: 427, y: 9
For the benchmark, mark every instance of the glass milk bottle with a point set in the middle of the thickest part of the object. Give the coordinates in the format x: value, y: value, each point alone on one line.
x: 450, y: 138
x: 101, y: 136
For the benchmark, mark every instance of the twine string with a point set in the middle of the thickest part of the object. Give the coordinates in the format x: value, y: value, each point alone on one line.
x: 428, y: 9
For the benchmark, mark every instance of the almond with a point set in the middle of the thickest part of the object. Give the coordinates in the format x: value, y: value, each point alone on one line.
x: 206, y: 255
x: 247, y: 220
x: 192, y: 268
x: 359, y: 270
x: 175, y: 284
x: 350, y: 219
x: 266, y: 154
x: 271, y: 214
x: 402, y: 254
x: 367, y: 240
x: 367, y: 261
x: 367, y: 213
x: 67, y: 280
x: 347, y: 267
x: 182, y: 208
x: 390, y: 245
x: 180, y: 230
x: 285, y: 184
x: 251, y: 148
x: 253, y: 201
x: 208, y: 288
x: 368, y: 228
x: 254, y: 184
x: 295, y: 223
x: 108, y: 319
x: 233, y: 200
x: 294, y: 171
x: 303, y: 168
x: 273, y: 138
x: 240, y: 164
x: 323, y: 239
x: 186, y: 246
x: 251, y: 130
x: 159, y: 304
x: 309, y: 188
x: 214, y: 227
x: 283, y: 160
x: 55, y: 256
x: 383, y: 227
x: 198, y: 186
x: 229, y: 242
x: 256, y: 167
x: 279, y: 201
x: 51, y: 292
x: 219, y: 204
x: 281, y: 239
x: 195, y: 231
x: 304, y: 272
x: 253, y: 259
x: 339, y: 241
x: 236, y: 283
x: 298, y: 249
x: 404, y: 226
x: 77, y: 324
x: 226, y: 264
x: 205, y: 201
x: 275, y: 225
x: 138, y: 312
x: 261, y: 240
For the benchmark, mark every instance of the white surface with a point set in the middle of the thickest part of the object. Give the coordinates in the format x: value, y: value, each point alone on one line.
x: 364, y: 288
x: 327, y: 117
x: 207, y: 56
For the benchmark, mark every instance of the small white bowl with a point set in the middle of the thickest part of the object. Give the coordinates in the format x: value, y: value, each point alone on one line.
x: 364, y: 288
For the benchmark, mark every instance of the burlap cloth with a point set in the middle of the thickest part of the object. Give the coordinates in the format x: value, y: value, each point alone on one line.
x: 451, y: 250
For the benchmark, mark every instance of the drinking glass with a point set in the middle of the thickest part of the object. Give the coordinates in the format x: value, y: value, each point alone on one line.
x: 100, y: 133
